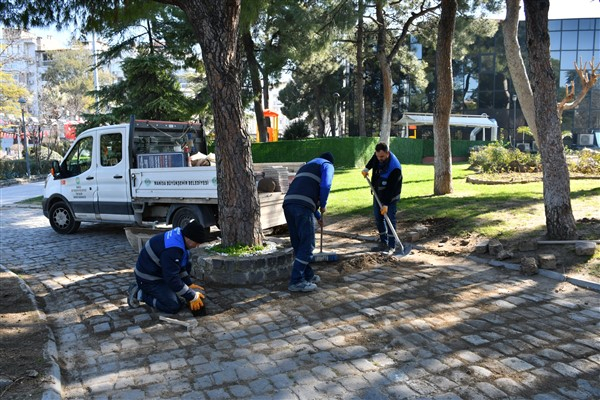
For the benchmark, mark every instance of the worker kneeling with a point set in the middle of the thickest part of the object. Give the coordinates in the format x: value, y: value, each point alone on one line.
x: 162, y: 271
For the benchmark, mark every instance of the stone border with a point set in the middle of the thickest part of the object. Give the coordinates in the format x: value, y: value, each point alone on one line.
x: 544, y: 272
x: 242, y: 271
x: 476, y: 181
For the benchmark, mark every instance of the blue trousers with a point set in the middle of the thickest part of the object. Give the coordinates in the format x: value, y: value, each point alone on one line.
x: 160, y: 296
x: 301, y: 225
x: 385, y: 233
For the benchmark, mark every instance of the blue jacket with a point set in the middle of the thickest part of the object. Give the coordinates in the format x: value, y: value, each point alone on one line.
x: 164, y: 257
x: 387, y: 178
x: 311, y: 185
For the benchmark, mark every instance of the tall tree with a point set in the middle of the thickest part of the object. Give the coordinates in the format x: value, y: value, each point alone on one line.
x: 385, y: 58
x: 359, y: 79
x: 560, y: 223
x: 442, y: 183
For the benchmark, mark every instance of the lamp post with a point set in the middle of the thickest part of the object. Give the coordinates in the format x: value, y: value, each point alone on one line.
x: 23, y: 102
x: 336, y: 98
x: 514, y: 99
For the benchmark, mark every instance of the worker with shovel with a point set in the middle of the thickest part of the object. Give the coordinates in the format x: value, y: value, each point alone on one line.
x: 305, y: 200
x: 386, y: 187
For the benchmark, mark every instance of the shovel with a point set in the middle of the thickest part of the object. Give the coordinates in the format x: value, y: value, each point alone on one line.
x: 403, y: 251
x: 320, y: 256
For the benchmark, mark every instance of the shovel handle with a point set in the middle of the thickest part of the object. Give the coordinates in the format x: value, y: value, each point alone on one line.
x: 387, y: 218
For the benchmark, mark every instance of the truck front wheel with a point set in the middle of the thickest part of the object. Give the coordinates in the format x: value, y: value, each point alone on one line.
x: 62, y: 219
x: 184, y: 215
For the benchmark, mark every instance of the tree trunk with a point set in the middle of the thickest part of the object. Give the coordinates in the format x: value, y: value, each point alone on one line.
x: 442, y: 182
x: 359, y: 86
x: 560, y: 223
x: 256, y: 86
x: 216, y: 25
x: 386, y: 76
x: 516, y: 66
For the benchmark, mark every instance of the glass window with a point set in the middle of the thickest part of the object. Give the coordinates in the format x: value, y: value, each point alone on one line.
x: 570, y: 24
x: 554, y: 25
x: 586, y: 40
x: 567, y: 59
x: 79, y: 159
x: 569, y: 41
x: 111, y: 149
x: 583, y: 56
x: 487, y: 63
x: 586, y: 24
x: 555, y: 40
x: 567, y: 76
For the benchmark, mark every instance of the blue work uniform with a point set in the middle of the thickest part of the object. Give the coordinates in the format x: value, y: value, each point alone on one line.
x: 163, y: 270
x: 387, y: 181
x: 307, y: 193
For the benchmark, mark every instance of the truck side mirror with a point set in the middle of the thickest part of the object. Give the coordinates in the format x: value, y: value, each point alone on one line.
x: 55, y: 168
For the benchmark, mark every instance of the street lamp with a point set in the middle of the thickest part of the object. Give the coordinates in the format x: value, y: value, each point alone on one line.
x: 23, y: 102
x: 336, y: 98
x: 514, y: 99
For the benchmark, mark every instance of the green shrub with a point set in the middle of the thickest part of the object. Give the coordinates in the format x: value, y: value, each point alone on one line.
x: 297, y: 130
x: 496, y: 158
x: 585, y: 161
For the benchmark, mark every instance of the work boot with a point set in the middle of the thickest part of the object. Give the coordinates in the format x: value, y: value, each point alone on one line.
x: 302, y: 286
x: 132, y: 298
x: 315, y: 279
x: 390, y: 251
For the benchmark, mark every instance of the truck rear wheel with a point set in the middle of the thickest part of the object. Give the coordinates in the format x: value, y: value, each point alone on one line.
x: 184, y: 215
x: 62, y: 219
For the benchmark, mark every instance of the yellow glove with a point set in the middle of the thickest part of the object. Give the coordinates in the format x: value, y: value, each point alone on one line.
x: 193, y: 286
x: 197, y: 303
x: 383, y: 210
x: 365, y: 172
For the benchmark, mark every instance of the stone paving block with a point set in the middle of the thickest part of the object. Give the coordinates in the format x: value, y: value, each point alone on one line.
x: 510, y: 386
x: 480, y: 371
x: 401, y: 391
x: 517, y: 364
x: 475, y: 339
x: 566, y: 370
x: 490, y: 390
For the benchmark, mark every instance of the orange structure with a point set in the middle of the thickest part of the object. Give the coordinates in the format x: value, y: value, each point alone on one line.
x: 272, y: 126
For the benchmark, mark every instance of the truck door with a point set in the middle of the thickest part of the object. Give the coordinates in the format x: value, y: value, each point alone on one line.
x: 113, y: 199
x: 78, y: 184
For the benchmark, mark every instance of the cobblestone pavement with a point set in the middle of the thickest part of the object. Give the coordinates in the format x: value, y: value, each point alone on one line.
x: 421, y: 327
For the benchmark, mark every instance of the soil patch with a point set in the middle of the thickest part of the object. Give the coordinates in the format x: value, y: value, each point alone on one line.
x: 23, y: 336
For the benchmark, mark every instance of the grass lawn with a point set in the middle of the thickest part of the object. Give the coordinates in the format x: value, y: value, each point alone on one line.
x: 506, y: 210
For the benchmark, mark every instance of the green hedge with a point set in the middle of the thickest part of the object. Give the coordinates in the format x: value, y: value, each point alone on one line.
x: 11, y: 169
x: 350, y: 152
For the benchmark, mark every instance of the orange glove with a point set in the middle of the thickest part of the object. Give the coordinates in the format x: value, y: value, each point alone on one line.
x: 197, y: 303
x: 195, y: 287
x: 365, y: 173
x: 383, y: 210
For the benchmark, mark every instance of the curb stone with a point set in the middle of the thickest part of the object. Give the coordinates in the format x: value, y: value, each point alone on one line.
x: 53, y: 385
x: 548, y: 274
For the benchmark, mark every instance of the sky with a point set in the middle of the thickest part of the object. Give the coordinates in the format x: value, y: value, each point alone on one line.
x: 559, y: 9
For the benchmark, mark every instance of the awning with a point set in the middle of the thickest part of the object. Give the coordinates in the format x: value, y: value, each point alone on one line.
x: 479, y: 122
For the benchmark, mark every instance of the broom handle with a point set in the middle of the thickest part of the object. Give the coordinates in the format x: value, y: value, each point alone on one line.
x: 387, y: 219
x: 322, y: 222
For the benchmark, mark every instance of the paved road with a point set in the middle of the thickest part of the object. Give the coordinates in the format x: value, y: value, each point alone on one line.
x: 421, y: 327
x: 15, y: 193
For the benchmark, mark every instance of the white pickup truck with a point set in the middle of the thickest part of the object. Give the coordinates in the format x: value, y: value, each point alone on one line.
x: 139, y: 173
